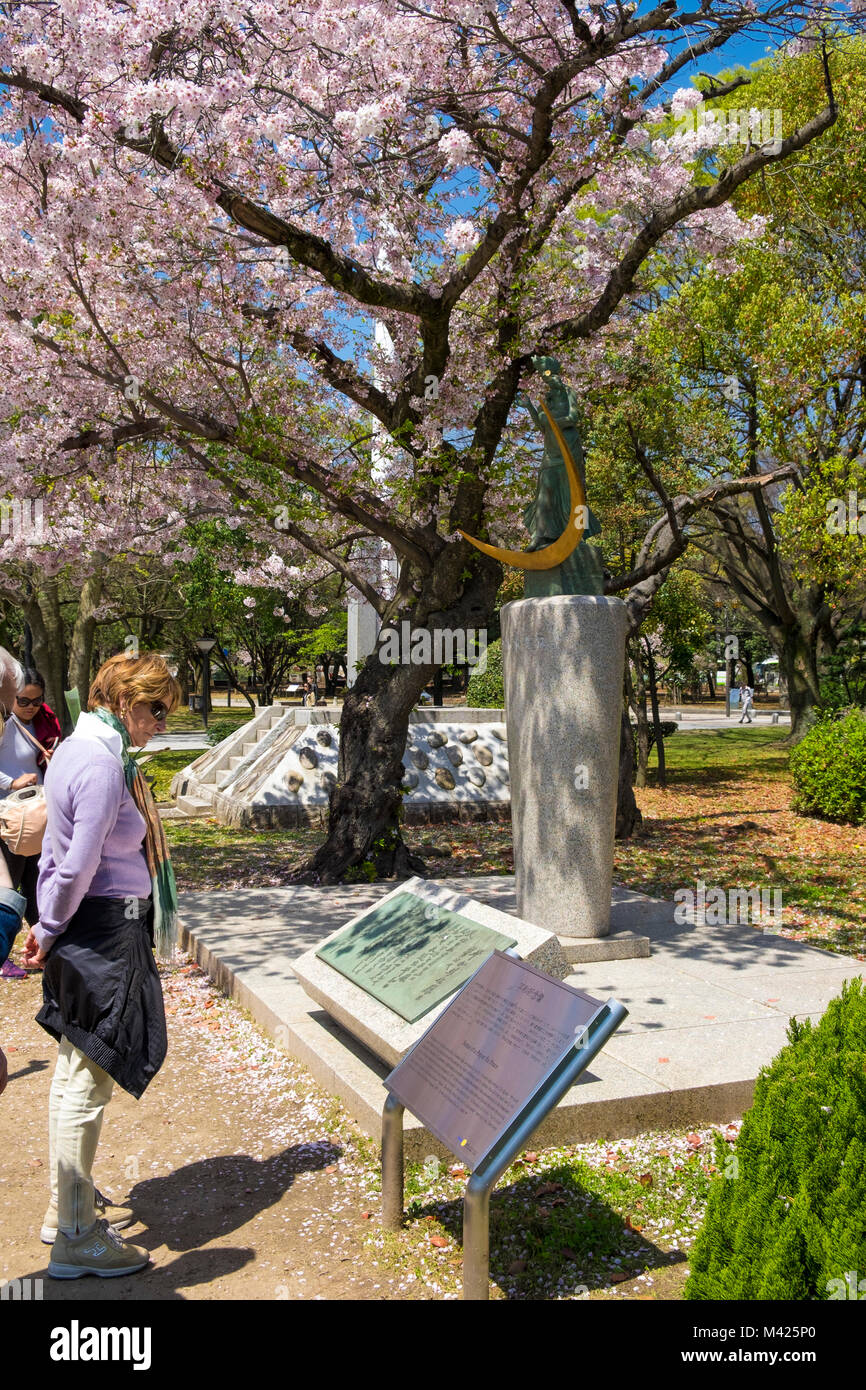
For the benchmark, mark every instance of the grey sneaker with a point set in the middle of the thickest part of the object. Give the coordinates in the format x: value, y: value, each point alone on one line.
x: 117, y: 1217
x: 100, y: 1251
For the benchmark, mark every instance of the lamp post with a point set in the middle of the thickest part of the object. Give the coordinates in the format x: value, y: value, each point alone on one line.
x: 205, y: 646
x: 722, y: 608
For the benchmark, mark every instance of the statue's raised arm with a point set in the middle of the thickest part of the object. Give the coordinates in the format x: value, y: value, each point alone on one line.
x: 558, y: 560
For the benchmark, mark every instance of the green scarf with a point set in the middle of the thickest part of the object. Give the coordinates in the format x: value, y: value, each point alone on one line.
x: 163, y: 886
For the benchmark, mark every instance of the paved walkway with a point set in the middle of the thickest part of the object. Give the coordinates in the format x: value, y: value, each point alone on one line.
x: 761, y: 720
x: 707, y: 1010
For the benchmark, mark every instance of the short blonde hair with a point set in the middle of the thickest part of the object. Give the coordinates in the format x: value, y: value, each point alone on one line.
x: 144, y: 678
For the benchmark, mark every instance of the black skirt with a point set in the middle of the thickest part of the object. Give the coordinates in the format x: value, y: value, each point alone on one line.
x: 101, y: 990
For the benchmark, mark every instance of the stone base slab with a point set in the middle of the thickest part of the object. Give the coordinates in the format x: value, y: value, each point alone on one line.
x: 620, y: 944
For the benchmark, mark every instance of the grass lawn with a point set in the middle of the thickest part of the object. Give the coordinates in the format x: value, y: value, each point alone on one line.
x: 183, y: 721
x: 725, y: 818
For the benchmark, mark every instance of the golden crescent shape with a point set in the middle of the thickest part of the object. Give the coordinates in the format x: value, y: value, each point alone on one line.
x: 571, y: 537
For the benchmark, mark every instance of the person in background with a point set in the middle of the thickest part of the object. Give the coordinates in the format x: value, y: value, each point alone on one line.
x: 23, y: 759
x: 106, y: 892
x: 45, y: 725
x: 746, y: 697
x: 12, y: 903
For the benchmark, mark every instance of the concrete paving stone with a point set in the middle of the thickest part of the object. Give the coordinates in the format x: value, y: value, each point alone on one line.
x: 708, y: 1055
x: 801, y: 992
x: 659, y: 999
x: 726, y: 955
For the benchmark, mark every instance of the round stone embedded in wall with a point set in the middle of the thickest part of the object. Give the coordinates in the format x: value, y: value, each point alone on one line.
x: 483, y: 754
x: 498, y: 732
x: 308, y: 759
x: 454, y: 756
x: 436, y: 740
x: 410, y: 780
x: 328, y: 780
x: 294, y: 781
x: 468, y: 736
x: 445, y: 779
x: 419, y: 759
x: 476, y: 777
x: 325, y: 737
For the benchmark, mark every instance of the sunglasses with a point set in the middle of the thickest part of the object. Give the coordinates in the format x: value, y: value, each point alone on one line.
x: 159, y: 710
x: 28, y: 704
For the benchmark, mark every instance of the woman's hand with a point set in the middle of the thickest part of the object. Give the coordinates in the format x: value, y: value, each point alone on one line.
x: 33, y: 952
x: 27, y: 779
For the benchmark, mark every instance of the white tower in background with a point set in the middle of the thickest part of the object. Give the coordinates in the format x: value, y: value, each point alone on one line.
x: 363, y: 620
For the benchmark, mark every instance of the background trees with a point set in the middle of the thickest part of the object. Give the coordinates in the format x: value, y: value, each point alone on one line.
x: 208, y: 212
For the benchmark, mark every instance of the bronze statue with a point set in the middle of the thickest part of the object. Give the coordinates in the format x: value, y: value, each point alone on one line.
x: 558, y: 560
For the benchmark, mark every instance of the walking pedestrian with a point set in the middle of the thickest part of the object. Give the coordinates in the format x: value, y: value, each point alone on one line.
x: 746, y: 701
x: 106, y: 892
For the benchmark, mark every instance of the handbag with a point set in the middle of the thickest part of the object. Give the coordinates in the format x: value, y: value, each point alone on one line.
x: 24, y: 813
x: 23, y: 818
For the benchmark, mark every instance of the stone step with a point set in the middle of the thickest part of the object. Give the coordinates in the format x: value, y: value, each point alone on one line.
x: 619, y: 944
x: 195, y: 806
x: 234, y: 762
x: 248, y: 747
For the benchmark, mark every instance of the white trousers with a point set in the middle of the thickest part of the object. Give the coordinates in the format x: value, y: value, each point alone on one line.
x: 80, y: 1091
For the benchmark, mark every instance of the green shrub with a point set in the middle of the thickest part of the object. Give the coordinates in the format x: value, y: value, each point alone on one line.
x: 220, y: 729
x: 786, y: 1218
x: 487, y: 691
x: 828, y: 768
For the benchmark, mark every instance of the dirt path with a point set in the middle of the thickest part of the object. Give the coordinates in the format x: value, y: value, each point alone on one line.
x: 248, y: 1179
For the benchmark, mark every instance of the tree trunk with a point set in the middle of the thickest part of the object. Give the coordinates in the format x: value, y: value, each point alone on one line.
x: 797, y: 660
x: 657, y: 723
x: 42, y: 610
x: 365, y: 804
x: 81, y: 646
x: 638, y: 699
x: 628, y: 816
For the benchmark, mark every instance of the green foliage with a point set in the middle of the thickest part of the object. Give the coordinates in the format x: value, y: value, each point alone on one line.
x: 487, y: 690
x: 828, y: 768
x: 785, y: 1218
x: 843, y: 672
x: 220, y: 729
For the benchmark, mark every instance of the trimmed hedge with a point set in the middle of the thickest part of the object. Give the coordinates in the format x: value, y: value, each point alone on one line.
x: 786, y: 1218
x: 487, y: 691
x: 828, y: 769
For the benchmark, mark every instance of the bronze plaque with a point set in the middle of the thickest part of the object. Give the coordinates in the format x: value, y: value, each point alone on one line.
x: 410, y: 953
x: 489, y: 1053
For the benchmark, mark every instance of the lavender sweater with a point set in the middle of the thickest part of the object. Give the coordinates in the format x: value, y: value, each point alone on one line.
x: 93, y: 845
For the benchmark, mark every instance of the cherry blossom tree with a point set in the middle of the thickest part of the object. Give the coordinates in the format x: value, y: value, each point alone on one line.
x: 210, y: 206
